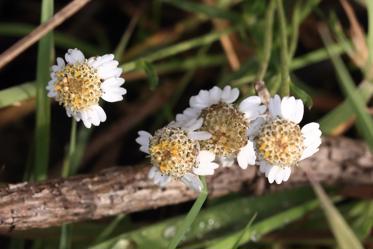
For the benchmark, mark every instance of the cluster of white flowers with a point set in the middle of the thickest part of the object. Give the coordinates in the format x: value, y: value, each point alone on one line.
x: 215, y: 131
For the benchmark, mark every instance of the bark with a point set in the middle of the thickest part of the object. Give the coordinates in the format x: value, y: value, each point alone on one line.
x: 126, y: 189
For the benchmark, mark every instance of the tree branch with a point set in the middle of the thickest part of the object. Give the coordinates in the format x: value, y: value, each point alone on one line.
x: 127, y: 189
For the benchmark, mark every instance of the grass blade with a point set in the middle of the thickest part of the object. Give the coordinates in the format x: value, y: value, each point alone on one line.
x: 344, y: 235
x: 353, y: 97
x: 42, y: 129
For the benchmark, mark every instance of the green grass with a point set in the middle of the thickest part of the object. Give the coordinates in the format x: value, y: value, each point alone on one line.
x: 42, y: 125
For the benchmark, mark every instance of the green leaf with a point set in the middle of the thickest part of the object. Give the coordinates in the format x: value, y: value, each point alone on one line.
x: 16, y: 94
x: 344, y: 235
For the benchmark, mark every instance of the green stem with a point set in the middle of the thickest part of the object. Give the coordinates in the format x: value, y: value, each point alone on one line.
x: 285, y: 81
x: 70, y: 154
x: 191, y: 216
x: 42, y: 126
x: 267, y: 41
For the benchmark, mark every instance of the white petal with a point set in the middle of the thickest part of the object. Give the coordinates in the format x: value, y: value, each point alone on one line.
x: 152, y: 172
x: 143, y: 140
x: 205, y: 156
x: 111, y: 96
x: 215, y: 95
x: 60, y: 62
x: 199, y: 135
x: 287, y: 172
x: 299, y: 111
x: 100, y: 60
x: 100, y: 113
x: 193, y: 124
x: 205, y: 169
x: 292, y: 109
x: 252, y: 107
x: 309, y: 151
x: 188, y: 114
x: 106, y: 72
x: 274, y: 106
x: 229, y: 95
x: 246, y: 155
x: 93, y: 115
x: 273, y: 173
x: 202, y: 100
x: 157, y: 177
x: 192, y: 181
x: 112, y: 82
x: 74, y: 56
x: 85, y: 118
x: 280, y: 176
x: 310, y: 128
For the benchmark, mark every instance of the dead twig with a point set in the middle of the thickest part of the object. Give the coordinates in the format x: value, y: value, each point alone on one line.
x: 40, y: 31
x: 127, y: 189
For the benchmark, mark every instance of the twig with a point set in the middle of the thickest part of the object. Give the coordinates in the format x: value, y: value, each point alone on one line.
x: 226, y: 42
x: 40, y: 31
x: 127, y: 189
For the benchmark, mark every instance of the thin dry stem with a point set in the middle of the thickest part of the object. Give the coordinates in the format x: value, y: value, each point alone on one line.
x: 20, y: 46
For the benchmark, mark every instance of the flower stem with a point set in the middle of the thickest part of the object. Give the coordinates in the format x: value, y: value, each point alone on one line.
x: 285, y: 81
x: 70, y: 154
x: 191, y: 216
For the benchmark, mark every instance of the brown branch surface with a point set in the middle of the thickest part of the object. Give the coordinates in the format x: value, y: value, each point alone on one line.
x: 127, y: 189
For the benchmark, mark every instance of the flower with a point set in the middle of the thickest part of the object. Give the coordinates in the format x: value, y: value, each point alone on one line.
x: 280, y: 142
x: 228, y: 124
x: 175, y: 154
x: 78, y: 84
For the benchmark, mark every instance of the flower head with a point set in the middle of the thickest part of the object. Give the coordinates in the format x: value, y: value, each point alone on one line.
x: 228, y: 124
x: 175, y: 153
x: 78, y: 84
x: 279, y: 140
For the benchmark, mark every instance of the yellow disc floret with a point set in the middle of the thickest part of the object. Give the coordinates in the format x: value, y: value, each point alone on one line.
x: 280, y: 142
x: 228, y: 128
x: 78, y: 86
x: 173, y: 151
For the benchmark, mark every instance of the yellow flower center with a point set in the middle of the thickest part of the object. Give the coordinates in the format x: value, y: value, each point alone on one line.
x: 228, y: 128
x: 173, y: 151
x: 280, y: 142
x: 78, y: 86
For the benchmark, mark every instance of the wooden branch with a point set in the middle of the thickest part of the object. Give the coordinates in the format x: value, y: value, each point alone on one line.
x: 127, y: 189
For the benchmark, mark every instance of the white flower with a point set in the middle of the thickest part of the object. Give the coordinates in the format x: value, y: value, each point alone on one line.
x: 228, y: 125
x: 280, y: 142
x: 175, y: 154
x: 78, y: 84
